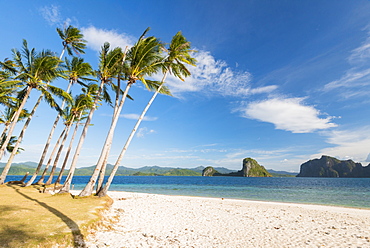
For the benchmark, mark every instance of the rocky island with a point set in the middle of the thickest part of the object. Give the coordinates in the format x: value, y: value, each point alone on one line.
x: 331, y: 167
x: 250, y: 169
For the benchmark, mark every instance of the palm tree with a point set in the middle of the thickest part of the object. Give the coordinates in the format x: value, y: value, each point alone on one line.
x: 108, y: 66
x: 8, y: 87
x: 68, y: 124
x: 143, y: 59
x: 81, y: 103
x: 10, y: 147
x: 178, y: 55
x: 59, y: 178
x: 17, y: 143
x: 37, y: 69
x: 41, y: 179
x: 50, y: 100
x: 7, y: 117
x: 72, y: 41
x: 77, y: 71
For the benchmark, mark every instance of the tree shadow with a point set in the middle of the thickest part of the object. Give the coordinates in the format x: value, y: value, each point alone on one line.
x: 6, y: 231
x: 78, y: 237
x: 16, y: 233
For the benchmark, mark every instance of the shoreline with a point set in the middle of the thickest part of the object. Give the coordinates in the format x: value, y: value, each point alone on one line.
x: 154, y: 220
x: 252, y: 200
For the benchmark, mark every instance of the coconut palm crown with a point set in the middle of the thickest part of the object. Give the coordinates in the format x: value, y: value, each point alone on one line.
x: 73, y: 40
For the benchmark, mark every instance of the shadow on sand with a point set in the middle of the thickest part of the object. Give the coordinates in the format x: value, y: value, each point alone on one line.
x: 78, y: 238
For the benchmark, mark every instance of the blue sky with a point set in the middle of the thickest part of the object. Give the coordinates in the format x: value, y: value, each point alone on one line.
x: 279, y: 81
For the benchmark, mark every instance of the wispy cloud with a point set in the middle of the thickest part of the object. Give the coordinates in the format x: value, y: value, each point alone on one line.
x: 144, y: 131
x: 356, y: 80
x: 136, y: 117
x: 52, y: 15
x: 362, y: 53
x: 97, y: 37
x: 288, y: 114
x: 212, y: 76
x: 353, y: 78
x: 348, y: 144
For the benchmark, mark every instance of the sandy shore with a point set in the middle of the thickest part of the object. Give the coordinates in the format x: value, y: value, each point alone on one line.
x: 149, y: 220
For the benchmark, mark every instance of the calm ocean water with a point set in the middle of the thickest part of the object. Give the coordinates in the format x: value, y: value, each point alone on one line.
x: 349, y: 192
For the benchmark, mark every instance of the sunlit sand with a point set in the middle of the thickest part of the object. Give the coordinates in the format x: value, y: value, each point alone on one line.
x: 150, y: 220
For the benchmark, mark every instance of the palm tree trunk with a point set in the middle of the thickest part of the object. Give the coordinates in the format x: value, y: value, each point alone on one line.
x: 41, y: 180
x: 4, y: 132
x: 67, y: 183
x: 106, y: 148
x: 44, y: 152
x: 14, y: 122
x: 19, y: 140
x: 67, y: 153
x: 103, y: 191
x: 115, y: 111
x: 102, y: 175
x: 48, y: 182
x: 61, y: 55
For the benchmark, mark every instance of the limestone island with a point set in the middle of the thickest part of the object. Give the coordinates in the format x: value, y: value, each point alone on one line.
x: 250, y: 169
x: 331, y: 167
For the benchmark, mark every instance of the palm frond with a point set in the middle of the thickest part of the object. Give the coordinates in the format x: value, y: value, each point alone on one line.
x: 72, y: 40
x: 154, y: 85
x: 58, y: 92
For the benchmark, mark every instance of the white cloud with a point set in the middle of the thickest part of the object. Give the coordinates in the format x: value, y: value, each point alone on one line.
x: 215, y: 76
x: 51, y: 14
x: 144, y: 131
x: 288, y: 114
x: 97, y: 37
x: 348, y: 144
x: 368, y: 158
x: 136, y: 117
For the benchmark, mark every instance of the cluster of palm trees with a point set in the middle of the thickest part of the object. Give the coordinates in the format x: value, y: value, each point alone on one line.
x: 30, y: 71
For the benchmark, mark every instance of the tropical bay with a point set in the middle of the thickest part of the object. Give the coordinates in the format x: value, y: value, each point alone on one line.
x: 344, y: 192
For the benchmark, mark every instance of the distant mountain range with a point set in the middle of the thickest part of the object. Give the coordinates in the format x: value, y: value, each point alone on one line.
x: 23, y: 168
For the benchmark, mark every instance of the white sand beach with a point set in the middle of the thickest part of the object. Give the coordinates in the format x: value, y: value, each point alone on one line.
x: 149, y: 220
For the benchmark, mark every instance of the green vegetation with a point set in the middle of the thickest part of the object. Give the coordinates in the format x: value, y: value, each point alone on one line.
x: 181, y: 172
x: 32, y: 219
x: 280, y: 175
x: 139, y: 173
x: 171, y: 172
x: 259, y: 172
x: 210, y: 172
x: 331, y: 167
x: 250, y: 169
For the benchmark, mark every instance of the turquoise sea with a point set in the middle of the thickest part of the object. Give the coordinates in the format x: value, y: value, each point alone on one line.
x: 348, y: 192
